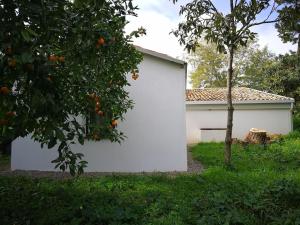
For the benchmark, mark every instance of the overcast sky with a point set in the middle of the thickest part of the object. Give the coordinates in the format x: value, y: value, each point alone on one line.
x: 159, y: 17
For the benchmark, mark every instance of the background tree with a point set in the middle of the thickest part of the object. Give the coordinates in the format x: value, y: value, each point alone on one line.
x: 210, y: 66
x: 256, y: 69
x: 282, y: 77
x: 288, y: 25
x: 59, y: 61
x: 250, y: 63
x: 228, y: 32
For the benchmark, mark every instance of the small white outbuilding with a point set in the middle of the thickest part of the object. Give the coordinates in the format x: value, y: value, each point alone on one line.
x: 206, y: 113
x: 155, y: 127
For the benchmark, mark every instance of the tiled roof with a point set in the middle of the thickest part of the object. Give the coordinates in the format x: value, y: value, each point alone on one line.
x: 239, y: 94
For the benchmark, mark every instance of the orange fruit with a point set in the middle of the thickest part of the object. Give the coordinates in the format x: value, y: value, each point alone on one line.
x: 101, y: 41
x: 135, y: 76
x: 61, y: 59
x: 10, y: 113
x: 52, y: 58
x: 12, y: 63
x: 114, y: 123
x: 4, y: 90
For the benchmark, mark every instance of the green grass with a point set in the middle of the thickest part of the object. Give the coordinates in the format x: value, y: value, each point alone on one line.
x: 262, y: 187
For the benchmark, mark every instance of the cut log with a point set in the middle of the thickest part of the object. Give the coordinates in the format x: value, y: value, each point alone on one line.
x: 256, y: 136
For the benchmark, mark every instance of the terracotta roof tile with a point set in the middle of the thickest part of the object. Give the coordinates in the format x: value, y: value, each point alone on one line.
x: 239, y: 94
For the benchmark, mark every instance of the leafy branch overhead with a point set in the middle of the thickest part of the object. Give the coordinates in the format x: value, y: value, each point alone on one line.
x: 203, y: 19
x: 54, y: 56
x: 288, y: 24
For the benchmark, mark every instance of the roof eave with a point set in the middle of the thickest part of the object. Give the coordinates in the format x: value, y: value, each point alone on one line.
x: 160, y: 55
x: 241, y: 102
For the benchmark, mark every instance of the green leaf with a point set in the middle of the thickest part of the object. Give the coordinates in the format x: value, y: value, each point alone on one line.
x: 52, y: 142
x: 25, y: 35
x: 30, y: 31
x: 81, y: 139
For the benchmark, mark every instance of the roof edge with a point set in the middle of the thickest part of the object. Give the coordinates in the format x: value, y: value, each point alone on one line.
x: 283, y: 101
x: 278, y: 99
x: 160, y: 55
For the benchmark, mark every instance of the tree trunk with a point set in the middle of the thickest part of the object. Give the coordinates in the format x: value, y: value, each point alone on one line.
x: 298, y: 55
x: 228, y: 139
x: 256, y: 136
x: 298, y: 49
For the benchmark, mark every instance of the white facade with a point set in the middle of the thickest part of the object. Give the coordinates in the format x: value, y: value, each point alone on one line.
x: 272, y: 117
x: 155, y: 127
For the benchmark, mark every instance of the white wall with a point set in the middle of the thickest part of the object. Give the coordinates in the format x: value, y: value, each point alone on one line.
x: 155, y: 128
x: 273, y: 118
x: 212, y: 135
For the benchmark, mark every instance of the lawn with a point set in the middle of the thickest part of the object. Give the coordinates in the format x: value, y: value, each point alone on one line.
x: 262, y: 187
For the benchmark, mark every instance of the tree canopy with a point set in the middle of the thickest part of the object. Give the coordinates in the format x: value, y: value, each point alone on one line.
x: 282, y: 77
x: 59, y: 61
x: 210, y: 66
x: 288, y: 24
x: 255, y: 68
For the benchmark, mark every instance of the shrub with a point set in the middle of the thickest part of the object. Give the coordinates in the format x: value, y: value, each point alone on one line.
x: 296, y: 121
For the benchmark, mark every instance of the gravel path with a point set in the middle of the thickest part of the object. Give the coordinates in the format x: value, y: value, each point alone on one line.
x: 194, y: 167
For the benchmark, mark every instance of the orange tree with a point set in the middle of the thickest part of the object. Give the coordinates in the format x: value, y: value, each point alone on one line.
x: 60, y: 61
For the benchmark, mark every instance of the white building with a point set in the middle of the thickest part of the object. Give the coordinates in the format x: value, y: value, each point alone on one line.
x: 155, y: 128
x: 164, y: 119
x: 206, y: 113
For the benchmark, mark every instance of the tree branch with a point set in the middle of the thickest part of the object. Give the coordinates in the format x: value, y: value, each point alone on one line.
x: 273, y: 9
x: 265, y: 21
x: 244, y: 28
x: 236, y: 3
x: 213, y: 6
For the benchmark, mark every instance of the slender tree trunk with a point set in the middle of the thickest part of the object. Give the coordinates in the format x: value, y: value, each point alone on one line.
x: 298, y: 54
x: 228, y: 139
x: 297, y: 7
x: 298, y: 50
